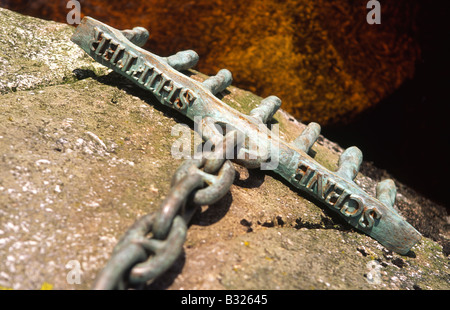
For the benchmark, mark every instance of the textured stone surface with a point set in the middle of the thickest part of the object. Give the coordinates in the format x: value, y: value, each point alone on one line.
x: 83, y: 156
x: 34, y: 55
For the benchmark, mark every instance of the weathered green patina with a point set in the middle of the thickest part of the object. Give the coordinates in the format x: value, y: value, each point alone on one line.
x: 337, y: 190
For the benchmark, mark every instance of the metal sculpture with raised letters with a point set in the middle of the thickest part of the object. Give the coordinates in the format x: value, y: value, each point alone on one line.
x: 161, y: 76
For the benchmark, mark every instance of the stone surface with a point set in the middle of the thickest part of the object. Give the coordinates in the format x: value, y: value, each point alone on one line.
x: 34, y: 55
x: 84, y: 153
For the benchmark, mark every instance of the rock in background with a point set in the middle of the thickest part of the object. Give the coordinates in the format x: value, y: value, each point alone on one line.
x: 84, y: 153
x: 320, y: 57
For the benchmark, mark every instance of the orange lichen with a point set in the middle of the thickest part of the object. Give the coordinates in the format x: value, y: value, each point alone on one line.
x: 320, y: 57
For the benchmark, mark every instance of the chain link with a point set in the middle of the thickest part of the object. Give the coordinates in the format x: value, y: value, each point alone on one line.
x: 154, y: 242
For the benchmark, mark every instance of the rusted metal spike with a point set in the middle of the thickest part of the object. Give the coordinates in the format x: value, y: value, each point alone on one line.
x: 349, y: 163
x: 266, y: 109
x: 183, y: 60
x: 386, y: 192
x: 138, y: 35
x: 217, y: 83
x: 308, y: 137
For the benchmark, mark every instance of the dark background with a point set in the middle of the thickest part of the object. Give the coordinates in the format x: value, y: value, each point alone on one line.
x: 408, y: 133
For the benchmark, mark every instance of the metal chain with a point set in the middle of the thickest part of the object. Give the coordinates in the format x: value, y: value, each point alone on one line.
x: 138, y: 259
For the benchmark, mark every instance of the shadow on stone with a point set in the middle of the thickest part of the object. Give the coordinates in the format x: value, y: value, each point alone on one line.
x: 251, y: 178
x: 166, y: 279
x: 213, y: 213
x: 82, y: 74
